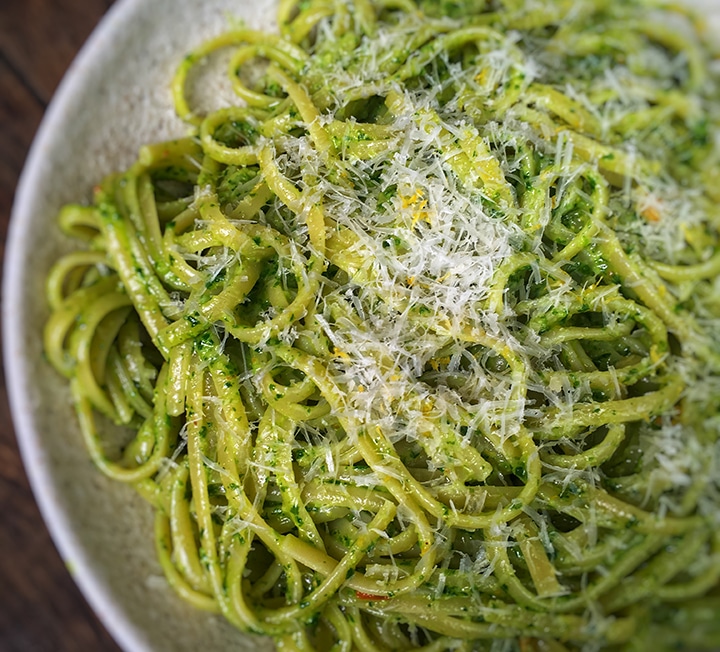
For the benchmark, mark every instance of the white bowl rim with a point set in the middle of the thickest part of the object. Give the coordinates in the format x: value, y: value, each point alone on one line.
x: 69, y: 545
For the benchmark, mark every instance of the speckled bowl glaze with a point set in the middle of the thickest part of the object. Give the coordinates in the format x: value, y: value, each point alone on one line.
x: 114, y: 98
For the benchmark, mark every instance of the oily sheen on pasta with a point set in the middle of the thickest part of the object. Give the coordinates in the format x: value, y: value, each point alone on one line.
x: 418, y: 343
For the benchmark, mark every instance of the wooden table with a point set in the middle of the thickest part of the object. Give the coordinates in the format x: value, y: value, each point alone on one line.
x: 41, y: 609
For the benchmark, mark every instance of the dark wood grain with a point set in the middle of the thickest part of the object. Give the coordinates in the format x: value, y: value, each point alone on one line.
x: 41, y: 609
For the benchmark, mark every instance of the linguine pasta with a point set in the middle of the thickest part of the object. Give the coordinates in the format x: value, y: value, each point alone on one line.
x: 417, y: 344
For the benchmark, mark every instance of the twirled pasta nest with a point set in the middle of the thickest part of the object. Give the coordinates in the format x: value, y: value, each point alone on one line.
x: 419, y: 342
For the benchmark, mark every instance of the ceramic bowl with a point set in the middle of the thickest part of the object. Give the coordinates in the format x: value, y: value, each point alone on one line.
x: 114, y: 98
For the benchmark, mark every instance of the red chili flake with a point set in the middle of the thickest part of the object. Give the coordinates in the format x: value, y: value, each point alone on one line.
x: 369, y: 596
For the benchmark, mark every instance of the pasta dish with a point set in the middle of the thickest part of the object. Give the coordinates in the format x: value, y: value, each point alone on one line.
x: 416, y: 344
